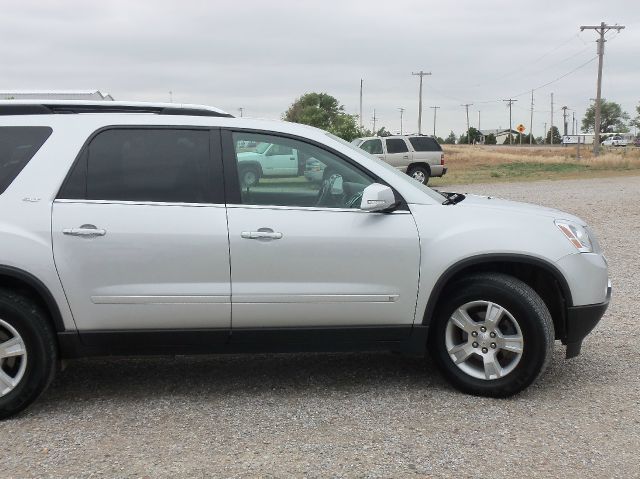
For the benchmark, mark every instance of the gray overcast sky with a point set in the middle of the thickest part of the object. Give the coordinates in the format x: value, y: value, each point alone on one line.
x: 261, y: 55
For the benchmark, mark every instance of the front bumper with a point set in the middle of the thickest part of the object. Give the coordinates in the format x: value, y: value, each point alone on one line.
x: 580, y: 321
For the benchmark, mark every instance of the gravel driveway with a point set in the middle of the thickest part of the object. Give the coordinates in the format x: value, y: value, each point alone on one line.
x: 377, y: 415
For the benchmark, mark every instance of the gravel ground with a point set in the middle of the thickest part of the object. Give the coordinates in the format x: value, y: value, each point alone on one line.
x: 346, y: 415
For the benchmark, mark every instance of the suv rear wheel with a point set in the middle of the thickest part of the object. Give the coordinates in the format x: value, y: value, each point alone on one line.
x: 28, y: 352
x: 419, y: 173
x: 492, y: 336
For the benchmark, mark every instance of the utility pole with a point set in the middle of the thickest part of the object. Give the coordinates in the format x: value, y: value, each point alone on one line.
x: 170, y: 96
x: 467, y: 105
x: 564, y: 118
x: 421, y: 74
x: 544, y: 138
x: 573, y: 124
x: 374, y: 118
x: 401, y: 113
x: 241, y: 110
x: 551, y: 127
x: 478, y: 120
x: 601, y: 30
x: 531, y: 122
x: 435, y: 110
x: 510, y: 101
x: 361, y: 125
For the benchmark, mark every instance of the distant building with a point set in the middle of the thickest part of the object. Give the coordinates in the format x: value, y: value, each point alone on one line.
x: 497, y: 133
x: 94, y: 95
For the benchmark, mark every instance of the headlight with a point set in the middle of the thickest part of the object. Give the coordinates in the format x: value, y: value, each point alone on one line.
x: 577, y: 235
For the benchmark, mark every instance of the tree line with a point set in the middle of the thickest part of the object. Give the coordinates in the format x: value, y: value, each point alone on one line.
x: 325, y: 111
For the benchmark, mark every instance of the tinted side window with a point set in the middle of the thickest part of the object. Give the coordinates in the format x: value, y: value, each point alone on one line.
x: 164, y: 165
x: 18, y: 144
x: 372, y: 146
x: 396, y: 145
x: 305, y: 176
x: 424, y: 143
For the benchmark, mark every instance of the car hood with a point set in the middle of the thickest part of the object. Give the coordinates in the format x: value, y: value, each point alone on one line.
x: 490, y: 202
x: 248, y: 155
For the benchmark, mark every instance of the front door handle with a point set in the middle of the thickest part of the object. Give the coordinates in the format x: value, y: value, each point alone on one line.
x: 261, y: 234
x: 84, y: 230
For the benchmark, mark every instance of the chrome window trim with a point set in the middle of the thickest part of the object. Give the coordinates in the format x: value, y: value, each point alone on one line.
x: 138, y: 203
x: 310, y: 208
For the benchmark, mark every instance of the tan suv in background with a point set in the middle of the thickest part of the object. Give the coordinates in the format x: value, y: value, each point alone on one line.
x: 421, y: 157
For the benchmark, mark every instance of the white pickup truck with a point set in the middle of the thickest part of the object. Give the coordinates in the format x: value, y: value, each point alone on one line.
x: 421, y: 157
x: 268, y: 160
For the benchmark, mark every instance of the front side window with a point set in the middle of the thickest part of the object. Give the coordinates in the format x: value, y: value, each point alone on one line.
x: 159, y: 165
x: 373, y: 147
x: 294, y: 173
x: 18, y: 144
x: 396, y: 145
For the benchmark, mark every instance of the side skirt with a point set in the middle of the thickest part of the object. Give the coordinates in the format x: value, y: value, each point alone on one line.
x: 406, y: 339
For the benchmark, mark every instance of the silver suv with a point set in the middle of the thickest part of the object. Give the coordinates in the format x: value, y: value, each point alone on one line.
x: 125, y: 229
x: 419, y: 156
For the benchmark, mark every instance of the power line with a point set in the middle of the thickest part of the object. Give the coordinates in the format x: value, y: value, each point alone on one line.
x: 557, y: 79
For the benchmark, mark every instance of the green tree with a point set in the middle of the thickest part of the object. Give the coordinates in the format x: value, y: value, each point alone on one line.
x: 557, y: 139
x: 636, y: 121
x: 383, y: 132
x: 439, y: 140
x: 323, y: 111
x: 451, y: 139
x: 490, y: 139
x: 509, y: 142
x: 612, y: 118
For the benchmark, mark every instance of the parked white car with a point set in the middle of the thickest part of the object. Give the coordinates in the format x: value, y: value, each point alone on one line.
x: 421, y: 157
x: 130, y: 231
x: 615, y: 140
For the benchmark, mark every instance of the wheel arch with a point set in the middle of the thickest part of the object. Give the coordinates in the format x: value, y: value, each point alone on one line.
x: 423, y: 164
x: 250, y: 164
x: 544, y: 277
x: 27, y: 283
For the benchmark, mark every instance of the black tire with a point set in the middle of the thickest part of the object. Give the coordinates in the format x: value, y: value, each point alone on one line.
x: 422, y: 172
x: 249, y: 176
x: 526, y: 307
x: 33, y: 326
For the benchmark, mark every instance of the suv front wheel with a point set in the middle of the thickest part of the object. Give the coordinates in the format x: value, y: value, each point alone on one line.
x: 492, y: 336
x: 28, y: 352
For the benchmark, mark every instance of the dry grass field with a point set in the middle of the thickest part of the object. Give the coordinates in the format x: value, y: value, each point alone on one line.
x: 483, y: 164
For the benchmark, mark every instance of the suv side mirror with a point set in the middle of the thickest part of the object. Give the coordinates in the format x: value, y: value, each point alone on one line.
x: 377, y: 197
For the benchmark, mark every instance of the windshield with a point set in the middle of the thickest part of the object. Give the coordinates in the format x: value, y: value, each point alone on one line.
x: 436, y: 195
x: 262, y: 147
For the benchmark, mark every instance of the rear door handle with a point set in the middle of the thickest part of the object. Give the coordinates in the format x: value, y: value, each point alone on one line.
x: 405, y: 157
x: 84, y: 230
x: 261, y: 234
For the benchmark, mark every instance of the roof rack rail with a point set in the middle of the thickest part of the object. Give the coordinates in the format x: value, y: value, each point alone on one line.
x: 14, y: 107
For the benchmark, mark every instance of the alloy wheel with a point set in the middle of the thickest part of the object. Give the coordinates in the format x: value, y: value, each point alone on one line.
x: 13, y: 358
x: 484, y: 340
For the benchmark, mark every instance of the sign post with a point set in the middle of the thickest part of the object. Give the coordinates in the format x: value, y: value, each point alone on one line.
x: 521, y: 128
